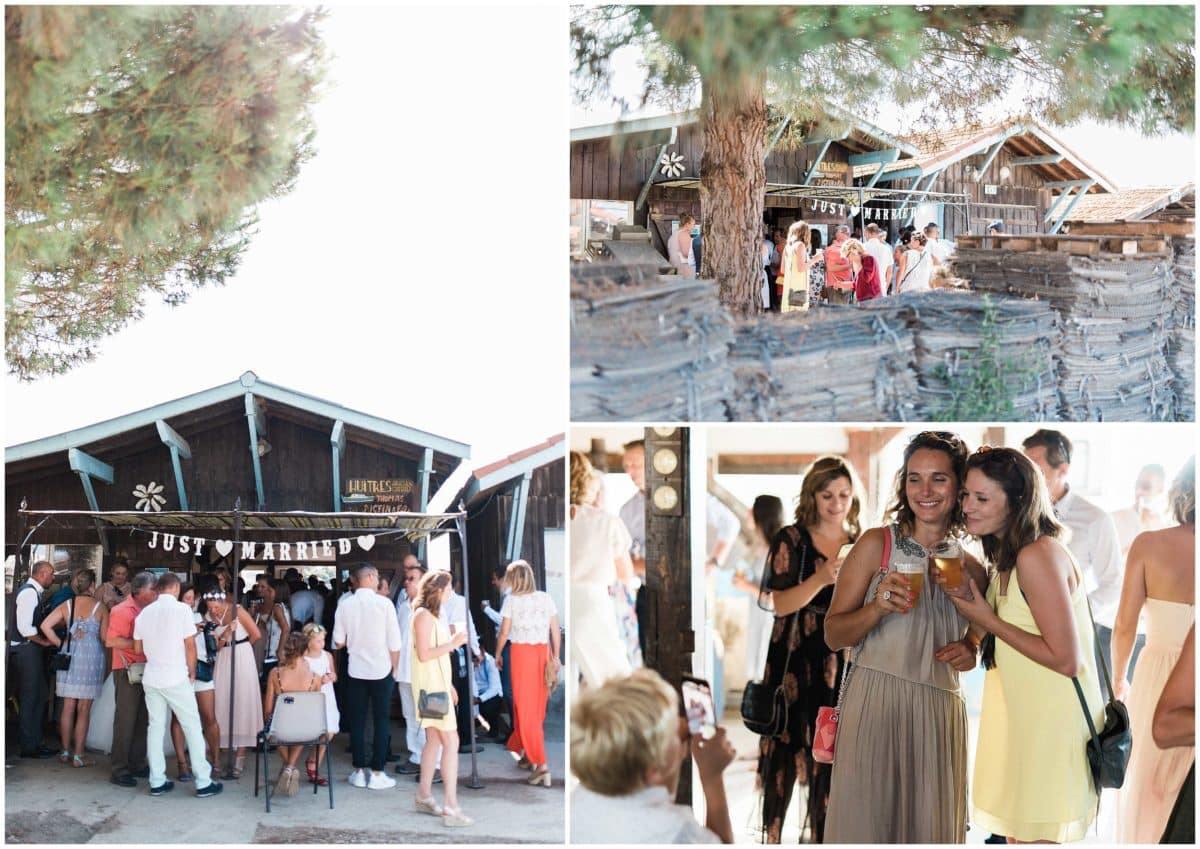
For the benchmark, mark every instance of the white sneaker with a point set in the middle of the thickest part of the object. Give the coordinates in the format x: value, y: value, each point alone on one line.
x: 359, y: 778
x: 380, y: 781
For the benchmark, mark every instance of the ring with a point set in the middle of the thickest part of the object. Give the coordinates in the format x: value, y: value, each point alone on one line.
x: 887, y: 595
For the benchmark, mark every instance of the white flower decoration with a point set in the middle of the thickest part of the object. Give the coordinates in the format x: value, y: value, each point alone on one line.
x: 148, y: 497
x: 673, y: 165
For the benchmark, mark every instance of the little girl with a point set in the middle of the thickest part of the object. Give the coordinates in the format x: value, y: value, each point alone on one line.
x: 321, y: 663
x: 290, y: 676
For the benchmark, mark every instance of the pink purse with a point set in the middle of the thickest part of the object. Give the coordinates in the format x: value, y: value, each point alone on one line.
x: 825, y: 733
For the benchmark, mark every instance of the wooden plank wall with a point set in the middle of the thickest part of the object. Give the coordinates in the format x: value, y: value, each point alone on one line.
x: 1020, y: 201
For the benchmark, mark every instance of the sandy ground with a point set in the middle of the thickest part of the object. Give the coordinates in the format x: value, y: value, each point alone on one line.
x: 46, y: 802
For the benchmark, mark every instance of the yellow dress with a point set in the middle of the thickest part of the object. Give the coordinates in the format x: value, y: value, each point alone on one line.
x: 1032, y: 780
x: 433, y: 676
x: 795, y: 277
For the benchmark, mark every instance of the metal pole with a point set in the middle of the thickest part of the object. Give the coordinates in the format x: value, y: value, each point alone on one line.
x: 20, y: 546
x: 461, y: 523
x: 234, y: 581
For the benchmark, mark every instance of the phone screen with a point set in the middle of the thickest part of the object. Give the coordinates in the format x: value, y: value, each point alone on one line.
x: 699, y: 707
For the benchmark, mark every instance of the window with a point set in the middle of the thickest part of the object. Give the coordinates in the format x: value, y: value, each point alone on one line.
x: 595, y: 220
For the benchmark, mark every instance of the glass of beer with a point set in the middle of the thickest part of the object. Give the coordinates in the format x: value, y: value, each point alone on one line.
x: 912, y: 568
x: 948, y: 558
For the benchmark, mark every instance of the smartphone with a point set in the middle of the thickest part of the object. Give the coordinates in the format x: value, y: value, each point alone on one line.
x: 699, y: 706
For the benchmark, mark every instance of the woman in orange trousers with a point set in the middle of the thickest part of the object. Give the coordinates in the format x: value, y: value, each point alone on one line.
x: 529, y: 621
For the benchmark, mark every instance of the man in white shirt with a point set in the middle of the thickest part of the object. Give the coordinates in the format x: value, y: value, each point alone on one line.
x: 454, y: 614
x: 877, y: 246
x: 27, y: 646
x: 939, y: 251
x: 633, y: 515
x: 1093, y: 539
x: 366, y: 625
x: 165, y: 632
x: 414, y: 734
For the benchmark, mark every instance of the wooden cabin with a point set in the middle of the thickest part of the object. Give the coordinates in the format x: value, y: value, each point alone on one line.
x: 646, y: 172
x: 251, y: 442
x: 1016, y: 172
x: 516, y: 510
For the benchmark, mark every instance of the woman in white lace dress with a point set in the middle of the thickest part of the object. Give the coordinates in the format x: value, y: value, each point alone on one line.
x: 529, y: 622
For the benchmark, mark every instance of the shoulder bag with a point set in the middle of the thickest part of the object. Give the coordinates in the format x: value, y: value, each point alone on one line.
x: 204, y: 668
x: 61, y: 661
x: 1107, y: 750
x: 435, y: 705
x: 825, y: 733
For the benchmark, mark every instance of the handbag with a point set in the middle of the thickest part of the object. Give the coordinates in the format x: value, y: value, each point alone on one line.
x: 1107, y: 750
x: 798, y: 298
x: 435, y: 705
x: 825, y: 733
x: 61, y: 661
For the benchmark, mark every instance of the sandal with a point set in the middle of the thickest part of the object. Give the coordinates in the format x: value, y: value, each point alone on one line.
x: 185, y: 772
x: 524, y: 763
x: 64, y: 757
x: 283, y: 785
x: 80, y: 761
x: 428, y: 806
x: 235, y: 772
x: 452, y: 818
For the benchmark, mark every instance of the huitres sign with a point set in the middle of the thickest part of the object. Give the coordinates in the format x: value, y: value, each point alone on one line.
x: 390, y: 495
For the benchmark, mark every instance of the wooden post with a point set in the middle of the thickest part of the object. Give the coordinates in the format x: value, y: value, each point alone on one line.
x: 671, y: 640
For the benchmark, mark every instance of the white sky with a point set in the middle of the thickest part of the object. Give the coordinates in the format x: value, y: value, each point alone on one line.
x: 416, y: 271
x: 1124, y: 156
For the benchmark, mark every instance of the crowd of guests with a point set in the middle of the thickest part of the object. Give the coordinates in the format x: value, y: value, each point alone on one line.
x: 187, y: 658
x: 865, y: 620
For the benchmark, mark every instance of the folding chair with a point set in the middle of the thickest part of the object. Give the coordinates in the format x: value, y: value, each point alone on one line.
x: 298, y: 720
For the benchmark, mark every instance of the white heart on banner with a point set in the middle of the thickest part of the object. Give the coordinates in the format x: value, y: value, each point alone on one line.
x: 224, y: 546
x: 367, y: 541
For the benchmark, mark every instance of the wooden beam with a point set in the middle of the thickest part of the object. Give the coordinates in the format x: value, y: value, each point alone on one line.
x: 764, y: 464
x: 337, y: 447
x: 180, y: 450
x: 88, y: 467
x: 424, y: 472
x: 1045, y: 159
x: 641, y: 198
x: 1067, y: 184
x: 905, y: 174
x: 884, y: 157
x: 1083, y: 190
x: 1133, y: 228
x: 252, y: 422
x: 776, y: 136
x: 516, y: 518
x: 987, y: 160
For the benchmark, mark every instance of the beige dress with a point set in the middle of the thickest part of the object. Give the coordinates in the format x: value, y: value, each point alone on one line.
x: 900, y: 770
x: 247, y: 697
x: 1155, y: 775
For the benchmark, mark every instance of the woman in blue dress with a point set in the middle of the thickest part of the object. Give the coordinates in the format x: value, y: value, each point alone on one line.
x: 86, y: 620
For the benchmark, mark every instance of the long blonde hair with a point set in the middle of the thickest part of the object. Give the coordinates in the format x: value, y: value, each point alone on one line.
x: 581, y: 477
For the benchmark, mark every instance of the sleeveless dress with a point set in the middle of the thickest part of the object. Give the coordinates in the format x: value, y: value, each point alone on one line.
x: 797, y: 657
x: 86, y: 675
x: 900, y: 773
x: 1155, y: 775
x: 1032, y: 780
x: 321, y: 666
x: 794, y: 279
x: 247, y: 698
x: 433, y: 676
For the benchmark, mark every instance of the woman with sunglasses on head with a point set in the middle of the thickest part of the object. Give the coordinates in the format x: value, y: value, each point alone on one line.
x: 1032, y: 781
x: 900, y: 770
x: 800, y: 570
x: 320, y: 663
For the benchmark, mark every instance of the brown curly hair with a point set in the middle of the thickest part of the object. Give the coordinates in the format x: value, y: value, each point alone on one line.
x: 1030, y: 513
x: 293, y: 648
x: 820, y: 474
x: 429, y: 591
x: 935, y: 440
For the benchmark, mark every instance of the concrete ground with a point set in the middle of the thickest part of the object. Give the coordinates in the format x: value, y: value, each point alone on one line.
x: 46, y: 802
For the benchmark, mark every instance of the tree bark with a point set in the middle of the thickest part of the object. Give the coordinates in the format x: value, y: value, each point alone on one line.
x: 733, y: 181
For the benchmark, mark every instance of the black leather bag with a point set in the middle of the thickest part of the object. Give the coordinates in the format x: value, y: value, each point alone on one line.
x: 61, y: 661
x: 764, y: 709
x: 1108, y: 750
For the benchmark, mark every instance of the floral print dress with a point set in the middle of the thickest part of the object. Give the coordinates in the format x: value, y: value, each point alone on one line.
x: 811, y: 674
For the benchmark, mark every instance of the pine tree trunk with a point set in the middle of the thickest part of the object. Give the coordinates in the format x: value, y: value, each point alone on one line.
x: 733, y: 181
